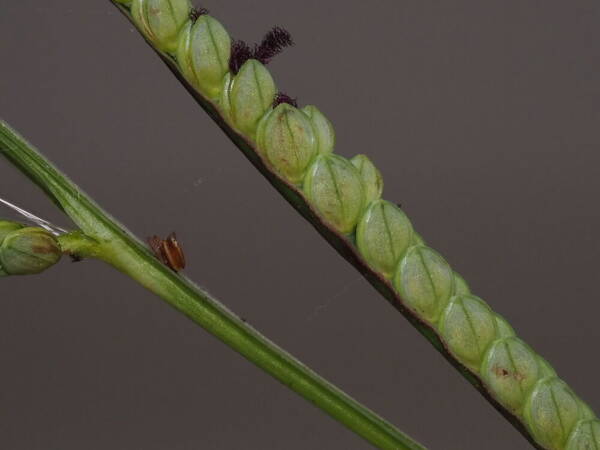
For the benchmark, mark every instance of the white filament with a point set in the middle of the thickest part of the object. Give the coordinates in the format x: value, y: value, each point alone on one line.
x: 35, y: 219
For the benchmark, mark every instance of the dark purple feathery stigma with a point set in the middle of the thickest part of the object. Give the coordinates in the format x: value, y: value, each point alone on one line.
x: 240, y: 53
x: 272, y: 44
x: 282, y: 97
x: 197, y: 12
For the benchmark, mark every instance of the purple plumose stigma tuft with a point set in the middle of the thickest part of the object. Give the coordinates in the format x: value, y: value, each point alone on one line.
x: 240, y: 53
x: 272, y: 44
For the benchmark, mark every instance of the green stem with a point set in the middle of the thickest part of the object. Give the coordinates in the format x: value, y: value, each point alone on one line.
x: 344, y: 247
x: 103, y: 238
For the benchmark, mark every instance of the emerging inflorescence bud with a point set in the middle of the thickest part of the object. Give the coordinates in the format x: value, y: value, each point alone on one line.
x: 247, y: 96
x: 287, y: 140
x: 28, y: 250
x: 383, y: 236
x: 161, y: 20
x: 324, y: 132
x: 371, y: 177
x: 333, y: 186
x: 203, y: 55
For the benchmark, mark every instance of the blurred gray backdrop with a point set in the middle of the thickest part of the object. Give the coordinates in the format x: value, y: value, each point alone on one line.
x: 483, y: 117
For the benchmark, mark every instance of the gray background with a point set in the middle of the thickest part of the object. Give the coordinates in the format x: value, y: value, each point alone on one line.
x: 483, y: 117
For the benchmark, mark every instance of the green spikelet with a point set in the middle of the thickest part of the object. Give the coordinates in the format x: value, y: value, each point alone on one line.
x: 248, y: 96
x: 468, y: 327
x: 551, y: 412
x: 510, y: 369
x: 161, y: 20
x: 383, y: 236
x: 425, y: 281
x: 333, y: 186
x: 286, y: 139
x: 203, y: 55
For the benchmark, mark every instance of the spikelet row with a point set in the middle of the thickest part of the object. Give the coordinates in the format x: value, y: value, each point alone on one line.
x: 298, y: 145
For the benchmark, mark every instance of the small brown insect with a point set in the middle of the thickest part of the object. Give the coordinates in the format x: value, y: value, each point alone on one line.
x: 168, y: 251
